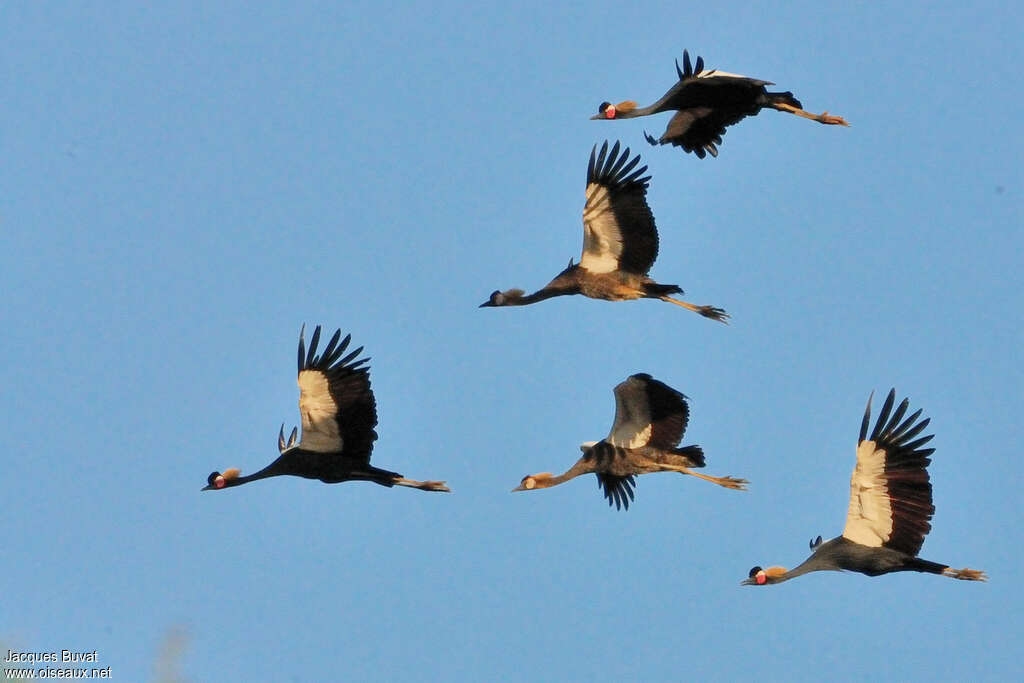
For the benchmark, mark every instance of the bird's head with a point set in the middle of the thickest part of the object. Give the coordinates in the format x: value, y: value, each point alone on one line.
x: 498, y: 298
x: 217, y: 481
x: 760, y: 577
x: 607, y: 110
x: 534, y: 481
x: 587, y: 445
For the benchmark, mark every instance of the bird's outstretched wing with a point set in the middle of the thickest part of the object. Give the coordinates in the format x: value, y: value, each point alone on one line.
x: 337, y: 406
x: 648, y: 413
x: 707, y: 102
x: 617, y: 490
x: 696, y: 129
x: 618, y: 227
x: 890, y: 493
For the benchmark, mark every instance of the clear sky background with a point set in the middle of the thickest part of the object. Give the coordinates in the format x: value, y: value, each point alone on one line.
x: 183, y: 186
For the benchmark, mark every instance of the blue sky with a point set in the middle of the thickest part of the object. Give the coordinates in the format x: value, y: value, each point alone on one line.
x: 184, y: 186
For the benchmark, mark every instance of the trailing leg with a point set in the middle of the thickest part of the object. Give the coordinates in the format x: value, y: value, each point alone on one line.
x: 422, y: 485
x: 706, y: 311
x: 823, y: 117
x: 727, y: 482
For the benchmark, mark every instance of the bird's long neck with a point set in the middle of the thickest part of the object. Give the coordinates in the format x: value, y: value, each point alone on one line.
x: 262, y: 474
x: 549, y: 293
x: 581, y: 467
x: 640, y: 111
x: 627, y: 109
x: 823, y: 558
x: 539, y: 295
x: 805, y: 567
x: 560, y: 479
x: 275, y: 469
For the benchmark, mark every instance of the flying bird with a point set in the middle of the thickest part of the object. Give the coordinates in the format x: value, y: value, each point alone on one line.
x: 890, y: 506
x: 620, y: 242
x: 650, y: 418
x: 706, y: 103
x: 339, y: 414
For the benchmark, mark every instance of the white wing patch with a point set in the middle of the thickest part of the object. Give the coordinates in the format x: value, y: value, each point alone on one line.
x: 869, y: 519
x: 319, y: 414
x: 715, y: 72
x: 602, y: 238
x: 640, y: 439
x: 632, y: 427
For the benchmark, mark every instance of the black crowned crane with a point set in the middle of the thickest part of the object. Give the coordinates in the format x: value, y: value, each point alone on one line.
x: 339, y: 414
x: 706, y: 103
x: 650, y: 419
x: 620, y: 242
x: 890, y: 506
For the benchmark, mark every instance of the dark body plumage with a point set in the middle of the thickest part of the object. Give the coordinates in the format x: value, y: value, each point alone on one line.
x: 620, y: 242
x: 650, y: 419
x: 890, y: 506
x: 706, y: 103
x: 339, y: 414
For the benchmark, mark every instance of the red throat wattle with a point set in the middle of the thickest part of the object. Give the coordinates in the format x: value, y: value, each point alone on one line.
x: 220, y: 482
x: 761, y: 578
x: 609, y: 113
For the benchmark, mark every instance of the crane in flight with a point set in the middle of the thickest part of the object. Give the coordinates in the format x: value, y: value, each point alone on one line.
x: 707, y: 102
x: 650, y: 419
x: 339, y: 414
x: 890, y: 506
x: 620, y: 242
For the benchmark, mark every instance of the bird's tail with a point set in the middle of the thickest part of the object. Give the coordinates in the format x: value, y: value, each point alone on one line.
x: 784, y: 98
x: 693, y: 454
x: 654, y: 290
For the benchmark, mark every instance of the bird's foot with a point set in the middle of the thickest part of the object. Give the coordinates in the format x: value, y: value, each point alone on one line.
x: 965, y: 574
x: 714, y: 313
x: 651, y: 139
x: 422, y: 485
x: 733, y: 483
x: 829, y: 120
